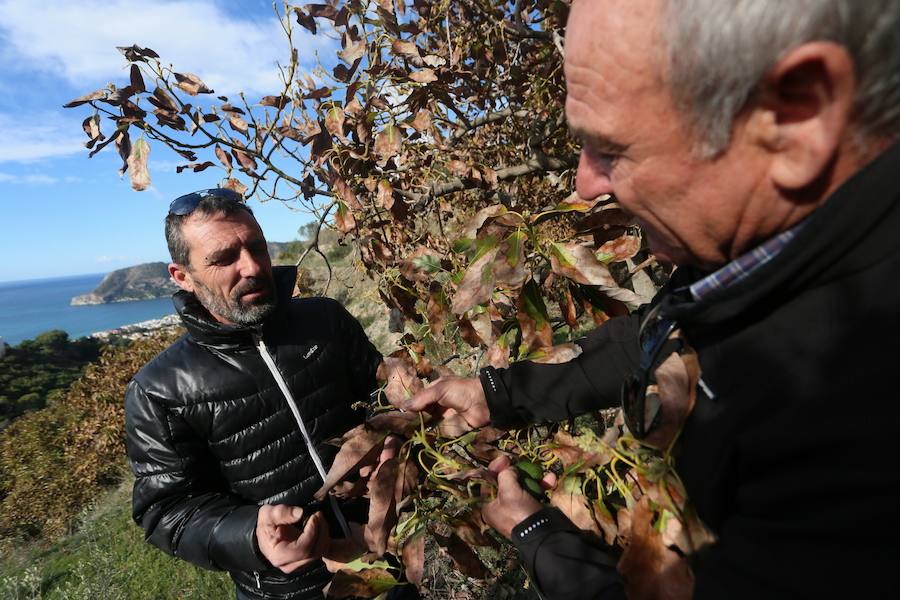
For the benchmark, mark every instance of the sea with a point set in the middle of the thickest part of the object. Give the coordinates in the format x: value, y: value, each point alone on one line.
x: 30, y: 307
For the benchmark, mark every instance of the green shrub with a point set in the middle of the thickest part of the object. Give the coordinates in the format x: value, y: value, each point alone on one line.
x: 54, y: 461
x: 33, y: 371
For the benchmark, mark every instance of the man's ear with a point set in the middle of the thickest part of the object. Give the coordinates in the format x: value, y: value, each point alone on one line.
x: 804, y: 109
x: 181, y: 276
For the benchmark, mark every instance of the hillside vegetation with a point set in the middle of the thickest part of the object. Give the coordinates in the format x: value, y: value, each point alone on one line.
x: 35, y: 372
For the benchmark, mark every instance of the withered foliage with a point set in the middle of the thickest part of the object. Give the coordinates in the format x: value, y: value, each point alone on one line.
x: 623, y: 493
x: 434, y: 138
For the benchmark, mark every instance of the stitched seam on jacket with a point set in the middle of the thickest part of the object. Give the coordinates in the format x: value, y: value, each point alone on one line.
x: 267, y: 474
x: 257, y: 424
x: 234, y: 461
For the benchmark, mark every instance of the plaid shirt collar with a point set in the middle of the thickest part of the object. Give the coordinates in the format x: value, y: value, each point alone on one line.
x: 741, y: 267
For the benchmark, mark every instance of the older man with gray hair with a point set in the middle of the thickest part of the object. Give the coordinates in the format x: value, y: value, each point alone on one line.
x: 755, y: 142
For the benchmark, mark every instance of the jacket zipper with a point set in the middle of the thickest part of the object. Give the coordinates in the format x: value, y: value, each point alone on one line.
x: 317, y: 460
x: 258, y: 583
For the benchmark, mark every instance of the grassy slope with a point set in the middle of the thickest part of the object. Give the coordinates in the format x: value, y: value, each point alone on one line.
x: 104, y: 558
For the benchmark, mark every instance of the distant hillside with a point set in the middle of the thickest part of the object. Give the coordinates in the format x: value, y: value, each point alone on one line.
x: 142, y: 282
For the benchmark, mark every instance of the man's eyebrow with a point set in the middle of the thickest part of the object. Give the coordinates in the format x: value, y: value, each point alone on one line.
x: 596, y: 141
x: 218, y: 254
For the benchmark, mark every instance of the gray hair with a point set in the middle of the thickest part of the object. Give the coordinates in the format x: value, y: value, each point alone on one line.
x: 208, y: 205
x: 720, y: 50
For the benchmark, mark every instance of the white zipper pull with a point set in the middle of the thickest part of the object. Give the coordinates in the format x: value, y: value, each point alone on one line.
x: 258, y: 584
x: 313, y: 453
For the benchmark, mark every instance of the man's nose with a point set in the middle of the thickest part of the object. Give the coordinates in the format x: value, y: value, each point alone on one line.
x: 593, y: 178
x: 249, y: 265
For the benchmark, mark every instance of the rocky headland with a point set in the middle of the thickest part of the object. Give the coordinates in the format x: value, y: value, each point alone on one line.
x: 141, y: 282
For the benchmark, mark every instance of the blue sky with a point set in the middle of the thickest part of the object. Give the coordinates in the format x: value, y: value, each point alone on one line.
x: 65, y: 214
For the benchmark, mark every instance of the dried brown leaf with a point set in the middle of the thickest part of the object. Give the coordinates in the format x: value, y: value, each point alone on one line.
x: 422, y: 122
x: 621, y: 248
x: 462, y: 555
x: 554, y: 355
x: 345, y: 193
x: 394, y: 421
x: 413, y: 555
x: 366, y: 583
x: 382, y: 516
x: 509, y: 267
x: 238, y: 123
x: 246, y: 161
x: 95, y: 95
x: 353, y: 49
x: 400, y: 375
x: 137, y: 165
x: 223, y: 157
x: 674, y: 393
x: 91, y: 127
x: 137, y: 80
x: 236, y: 185
x: 423, y: 76
x: 388, y: 144
x: 651, y: 570
x: 275, y: 101
x: 191, y: 84
x: 360, y: 447
x: 406, y: 50
x: 343, y: 219
x: 477, y: 283
x: 385, y: 195
x: 569, y: 498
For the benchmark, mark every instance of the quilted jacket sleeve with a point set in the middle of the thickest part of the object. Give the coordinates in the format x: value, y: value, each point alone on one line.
x: 563, y: 562
x: 529, y: 392
x: 177, y: 502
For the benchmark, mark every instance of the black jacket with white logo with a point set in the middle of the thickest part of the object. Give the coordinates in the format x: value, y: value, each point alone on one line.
x: 211, y: 437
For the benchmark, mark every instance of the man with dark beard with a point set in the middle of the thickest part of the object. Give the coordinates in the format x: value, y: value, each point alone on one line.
x: 224, y: 427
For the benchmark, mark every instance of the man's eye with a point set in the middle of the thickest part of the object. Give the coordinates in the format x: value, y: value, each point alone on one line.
x: 608, y: 158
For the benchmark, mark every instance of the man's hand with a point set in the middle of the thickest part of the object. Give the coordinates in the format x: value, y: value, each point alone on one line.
x: 285, y: 545
x: 461, y: 394
x: 512, y: 504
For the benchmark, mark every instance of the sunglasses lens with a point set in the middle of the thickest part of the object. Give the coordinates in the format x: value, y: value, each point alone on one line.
x: 185, y: 205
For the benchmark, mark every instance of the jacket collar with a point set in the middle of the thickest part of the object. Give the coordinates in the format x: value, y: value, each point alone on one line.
x: 849, y: 232
x: 205, y: 330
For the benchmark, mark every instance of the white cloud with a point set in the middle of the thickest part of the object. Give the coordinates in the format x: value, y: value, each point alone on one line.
x: 25, y: 138
x: 30, y: 179
x: 76, y: 41
x: 39, y: 179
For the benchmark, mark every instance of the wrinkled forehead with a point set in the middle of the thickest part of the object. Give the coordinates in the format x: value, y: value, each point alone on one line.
x: 614, y: 59
x: 219, y: 230
x: 628, y: 34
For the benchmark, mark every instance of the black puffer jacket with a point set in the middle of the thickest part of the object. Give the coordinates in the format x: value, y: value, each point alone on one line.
x: 790, y: 453
x: 211, y: 437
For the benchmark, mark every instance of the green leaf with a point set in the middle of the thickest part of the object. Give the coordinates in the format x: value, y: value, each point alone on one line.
x: 530, y: 469
x: 533, y: 303
x: 429, y: 263
x: 463, y: 245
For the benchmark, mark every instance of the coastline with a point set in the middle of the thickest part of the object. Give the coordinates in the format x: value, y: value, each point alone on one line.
x: 138, y: 330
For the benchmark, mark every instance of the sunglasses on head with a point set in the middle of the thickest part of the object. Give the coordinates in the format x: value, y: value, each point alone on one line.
x: 185, y: 205
x: 640, y: 417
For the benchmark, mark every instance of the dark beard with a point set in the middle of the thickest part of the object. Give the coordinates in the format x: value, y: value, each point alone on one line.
x: 232, y: 308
